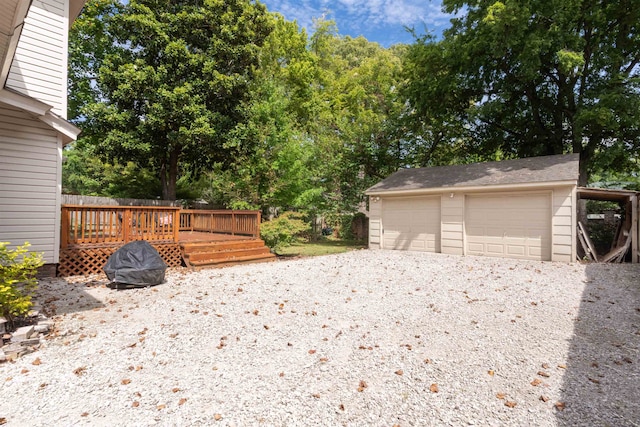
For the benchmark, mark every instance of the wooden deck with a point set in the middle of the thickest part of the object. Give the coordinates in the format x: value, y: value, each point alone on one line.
x: 193, y: 238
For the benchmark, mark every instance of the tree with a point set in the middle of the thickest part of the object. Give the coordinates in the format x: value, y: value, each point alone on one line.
x: 171, y: 86
x: 525, y: 78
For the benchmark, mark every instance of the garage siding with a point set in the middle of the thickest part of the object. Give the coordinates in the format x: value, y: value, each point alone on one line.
x: 555, y: 228
x: 375, y: 221
x: 452, y: 228
x: 564, y: 224
x: 411, y: 223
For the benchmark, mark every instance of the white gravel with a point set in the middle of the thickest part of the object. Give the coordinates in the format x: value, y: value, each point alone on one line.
x: 374, y: 338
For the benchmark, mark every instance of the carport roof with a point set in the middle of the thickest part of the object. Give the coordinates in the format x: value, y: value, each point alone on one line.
x: 531, y: 170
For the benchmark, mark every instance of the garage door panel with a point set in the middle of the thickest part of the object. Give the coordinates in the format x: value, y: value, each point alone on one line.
x: 517, y: 226
x: 411, y: 223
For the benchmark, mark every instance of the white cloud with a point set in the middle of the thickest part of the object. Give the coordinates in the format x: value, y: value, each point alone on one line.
x: 362, y: 16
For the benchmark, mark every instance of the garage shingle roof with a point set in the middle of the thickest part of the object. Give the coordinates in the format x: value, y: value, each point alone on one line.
x: 563, y: 167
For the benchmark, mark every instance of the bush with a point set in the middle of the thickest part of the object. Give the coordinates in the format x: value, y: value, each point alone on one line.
x: 283, y: 230
x: 18, y: 269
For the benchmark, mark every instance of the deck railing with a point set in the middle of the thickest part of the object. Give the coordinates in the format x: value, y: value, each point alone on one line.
x: 81, y: 225
x: 244, y: 223
x: 94, y: 225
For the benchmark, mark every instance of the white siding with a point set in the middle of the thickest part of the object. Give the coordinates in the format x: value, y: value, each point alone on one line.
x: 375, y: 228
x: 30, y: 167
x: 564, y: 224
x: 39, y: 68
x: 452, y: 231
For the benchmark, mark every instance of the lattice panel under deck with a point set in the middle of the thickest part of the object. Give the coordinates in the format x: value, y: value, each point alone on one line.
x: 86, y: 261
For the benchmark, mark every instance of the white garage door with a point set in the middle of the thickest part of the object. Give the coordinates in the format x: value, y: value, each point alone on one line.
x: 411, y: 223
x: 511, y: 226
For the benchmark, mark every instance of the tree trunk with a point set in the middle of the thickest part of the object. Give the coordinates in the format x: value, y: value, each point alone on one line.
x: 169, y: 175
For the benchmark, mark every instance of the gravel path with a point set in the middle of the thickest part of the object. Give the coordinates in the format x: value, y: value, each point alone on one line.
x: 365, y: 338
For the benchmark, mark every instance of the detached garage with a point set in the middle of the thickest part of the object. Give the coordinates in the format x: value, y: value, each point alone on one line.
x: 524, y: 208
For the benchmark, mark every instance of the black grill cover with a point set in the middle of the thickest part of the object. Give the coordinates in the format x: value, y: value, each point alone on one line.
x: 136, y: 264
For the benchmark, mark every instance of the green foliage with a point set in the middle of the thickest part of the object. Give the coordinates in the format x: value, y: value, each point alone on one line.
x: 169, y: 87
x: 18, y: 268
x: 530, y: 78
x: 282, y: 231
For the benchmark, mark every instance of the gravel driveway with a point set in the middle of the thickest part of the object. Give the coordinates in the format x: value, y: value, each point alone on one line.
x: 374, y: 338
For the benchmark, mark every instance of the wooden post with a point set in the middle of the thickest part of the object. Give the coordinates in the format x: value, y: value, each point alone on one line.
x: 126, y: 225
x: 233, y: 223
x: 64, y: 241
x: 258, y: 224
x: 176, y: 225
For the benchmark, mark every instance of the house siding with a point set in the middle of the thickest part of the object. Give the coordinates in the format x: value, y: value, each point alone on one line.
x: 39, y: 67
x: 30, y: 170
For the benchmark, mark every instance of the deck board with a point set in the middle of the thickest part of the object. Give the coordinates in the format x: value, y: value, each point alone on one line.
x: 198, y: 236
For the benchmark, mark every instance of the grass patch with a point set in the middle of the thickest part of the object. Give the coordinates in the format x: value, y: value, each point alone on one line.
x: 322, y: 247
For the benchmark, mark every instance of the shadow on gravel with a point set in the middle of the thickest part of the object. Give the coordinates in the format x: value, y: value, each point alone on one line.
x: 61, y: 296
x: 601, y: 386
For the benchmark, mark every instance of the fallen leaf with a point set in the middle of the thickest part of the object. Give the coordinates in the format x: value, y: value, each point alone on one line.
x: 341, y: 407
x: 362, y: 386
x: 324, y: 359
x: 399, y: 372
x: 536, y: 382
x: 43, y: 385
x: 544, y: 398
x: 161, y: 407
x: 256, y: 312
x: 433, y: 388
x: 84, y: 414
x: 182, y: 401
x: 125, y: 381
x: 36, y: 362
x: 79, y: 371
x: 24, y: 371
x: 510, y: 404
x: 266, y: 326
x: 562, y: 366
x: 312, y: 351
x: 316, y: 395
x: 427, y: 360
x: 175, y: 389
x: 491, y: 372
x: 545, y: 366
x: 135, y: 404
x: 281, y: 374
x: 560, y: 406
x: 217, y: 417
x: 501, y: 396
x: 173, y: 335
x: 543, y: 374
x: 3, y: 420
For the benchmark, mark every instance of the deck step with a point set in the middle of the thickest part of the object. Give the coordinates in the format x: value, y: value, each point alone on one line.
x: 233, y: 260
x: 218, y: 254
x: 222, y: 246
x: 200, y: 256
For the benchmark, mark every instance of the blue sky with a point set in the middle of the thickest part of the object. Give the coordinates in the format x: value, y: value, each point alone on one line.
x: 380, y: 21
